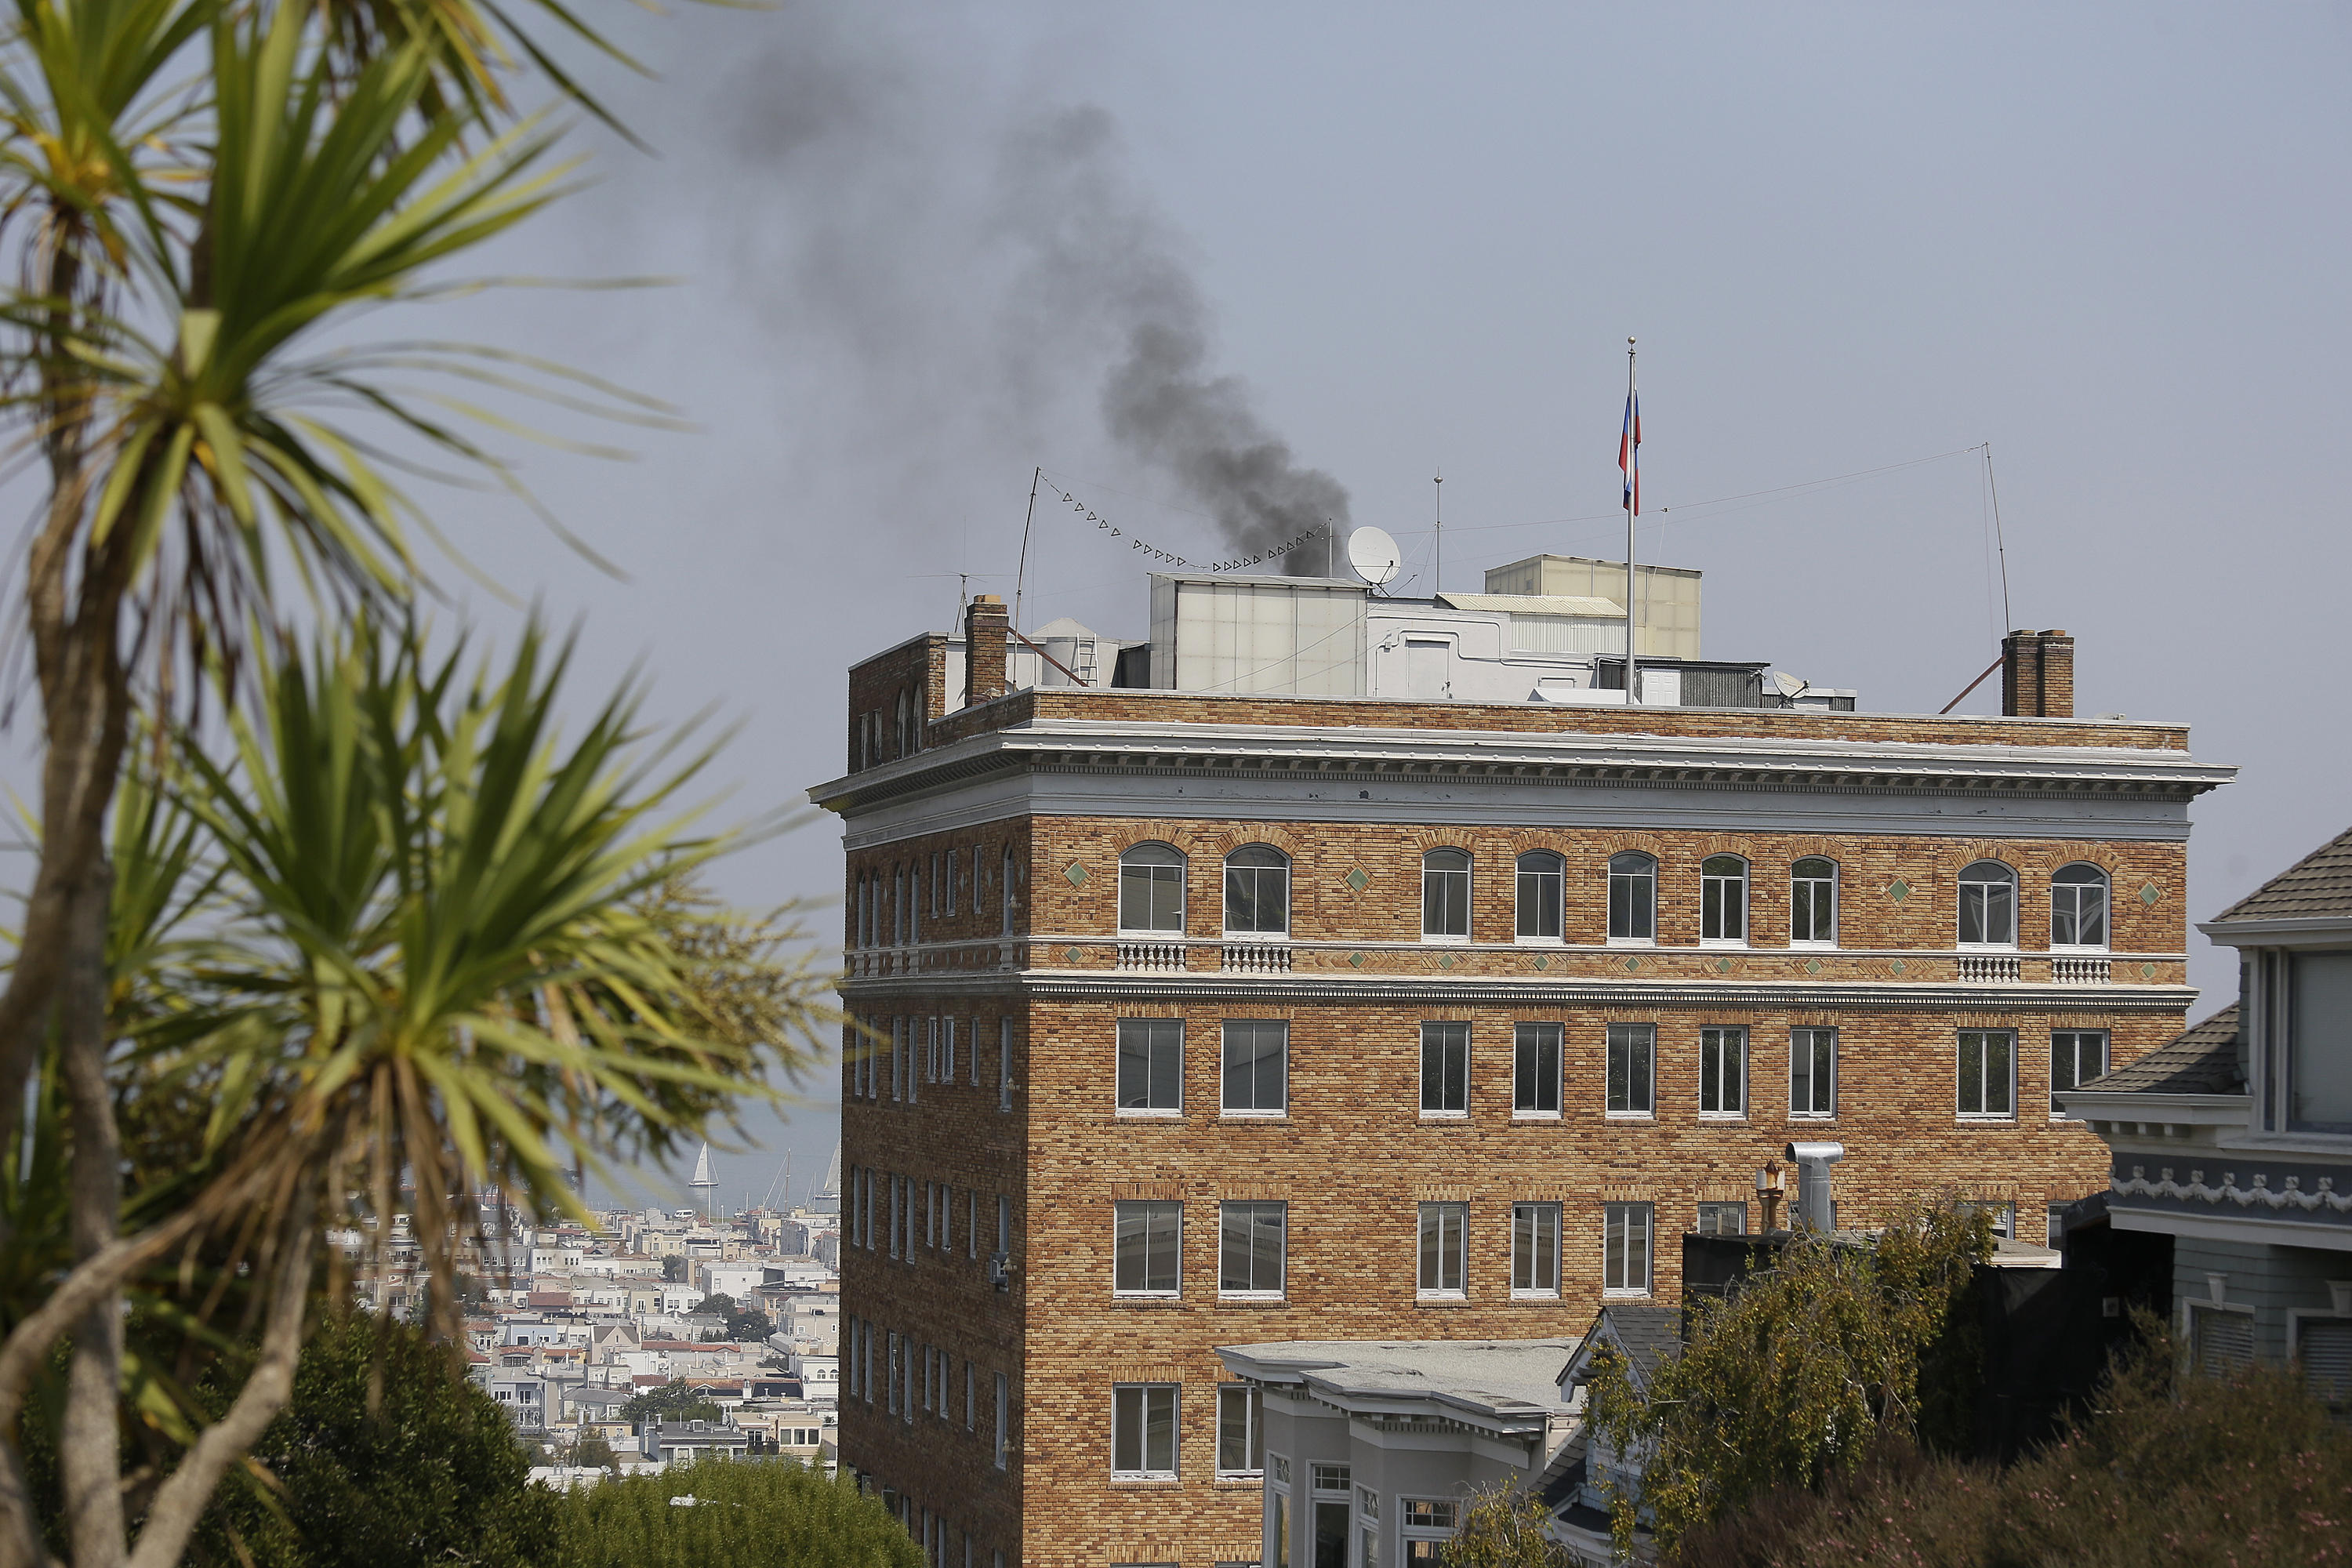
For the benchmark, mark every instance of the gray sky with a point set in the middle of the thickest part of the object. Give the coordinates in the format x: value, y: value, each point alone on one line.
x: 915, y: 246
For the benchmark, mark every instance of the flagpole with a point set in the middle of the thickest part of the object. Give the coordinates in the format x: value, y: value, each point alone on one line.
x: 1632, y: 510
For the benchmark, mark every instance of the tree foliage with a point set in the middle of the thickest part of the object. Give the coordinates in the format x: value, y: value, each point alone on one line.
x: 745, y: 1324
x: 387, y: 1457
x: 2246, y: 1471
x: 1505, y: 1527
x: 763, y: 1514
x: 676, y: 1400
x: 1795, y: 1377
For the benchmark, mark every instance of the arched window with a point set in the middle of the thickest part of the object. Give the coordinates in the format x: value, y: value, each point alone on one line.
x: 1257, y: 892
x: 1812, y: 903
x: 1988, y: 905
x: 2078, y: 907
x: 1541, y: 872
x: 1446, y: 895
x: 1632, y: 897
x: 1722, y: 899
x: 1151, y: 889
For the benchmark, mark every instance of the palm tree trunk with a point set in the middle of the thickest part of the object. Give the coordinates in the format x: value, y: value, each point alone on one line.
x: 90, y: 1443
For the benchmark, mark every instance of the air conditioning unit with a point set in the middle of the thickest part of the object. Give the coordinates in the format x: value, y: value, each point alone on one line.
x: 999, y: 1271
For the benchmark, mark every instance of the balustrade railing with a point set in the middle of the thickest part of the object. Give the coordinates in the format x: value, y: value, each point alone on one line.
x: 1257, y: 958
x: 1989, y: 966
x: 1151, y: 955
x: 2081, y: 971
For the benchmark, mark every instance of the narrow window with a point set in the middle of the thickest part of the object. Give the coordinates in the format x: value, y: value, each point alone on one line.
x: 1004, y: 1223
x: 1151, y: 889
x: 1143, y: 1431
x: 1722, y: 1219
x: 1987, y: 1063
x: 954, y: 884
x: 1535, y: 1069
x: 1535, y: 1249
x: 1003, y: 1418
x: 2077, y: 1057
x: 971, y: 1222
x: 1151, y: 1066
x: 1252, y: 1242
x: 1988, y: 905
x: 978, y: 883
x: 1257, y: 892
x: 1722, y: 1071
x: 1723, y: 900
x: 1812, y: 903
x: 2054, y: 1220
x: 1541, y: 875
x: 1004, y: 892
x: 1445, y: 895
x: 938, y: 888
x: 1812, y: 1072
x: 1633, y: 897
x: 1147, y: 1248
x: 974, y: 1055
x: 1632, y: 1047
x: 1445, y: 1069
x: 1625, y: 1250
x: 898, y: 911
x: 1443, y: 1231
x: 947, y: 1050
x: 1004, y: 1064
x: 1256, y: 1066
x: 1241, y: 1446
x: 970, y: 1398
x: 2078, y: 907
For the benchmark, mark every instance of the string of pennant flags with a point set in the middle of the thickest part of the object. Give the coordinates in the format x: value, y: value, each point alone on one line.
x: 1104, y: 525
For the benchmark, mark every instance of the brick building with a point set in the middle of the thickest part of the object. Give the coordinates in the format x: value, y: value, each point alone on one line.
x: 1234, y: 989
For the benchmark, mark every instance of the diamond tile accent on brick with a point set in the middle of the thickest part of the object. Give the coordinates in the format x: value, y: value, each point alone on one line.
x: 1632, y: 963
x: 1542, y: 962
x: 1812, y: 966
x: 2149, y: 894
x: 1357, y: 881
x: 1899, y: 966
x: 1357, y: 959
x: 1445, y: 961
x: 1076, y: 873
x: 1898, y: 890
x: 2147, y: 971
x: 1071, y: 956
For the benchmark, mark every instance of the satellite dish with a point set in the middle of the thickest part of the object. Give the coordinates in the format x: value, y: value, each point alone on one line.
x: 1374, y: 555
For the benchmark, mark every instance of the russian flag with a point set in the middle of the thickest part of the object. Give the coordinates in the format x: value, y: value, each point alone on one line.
x: 1629, y: 453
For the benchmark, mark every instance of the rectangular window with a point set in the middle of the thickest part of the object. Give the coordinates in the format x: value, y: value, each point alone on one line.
x: 2054, y: 1220
x: 1812, y: 903
x: 1004, y: 1064
x: 974, y: 1055
x: 947, y: 1050
x: 1723, y: 1072
x: 1625, y: 1250
x: 1541, y: 876
x: 1146, y: 1248
x: 1723, y: 1220
x: 1445, y: 895
x: 1443, y: 1233
x: 1151, y: 1066
x: 1240, y: 1447
x: 1722, y: 899
x: 1633, y: 1049
x: 1005, y: 889
x: 1256, y: 1066
x: 1427, y: 1530
x: 1143, y: 1431
x: 952, y: 884
x: 1633, y: 897
x: 1812, y: 1072
x: 1535, y: 1069
x: 890, y: 1363
x: 970, y: 1398
x: 1445, y: 1069
x: 1003, y: 1418
x: 1251, y: 1246
x: 1988, y: 1060
x: 1535, y: 1249
x: 971, y: 1222
x: 898, y: 1035
x: 1004, y: 1223
x: 2077, y: 1057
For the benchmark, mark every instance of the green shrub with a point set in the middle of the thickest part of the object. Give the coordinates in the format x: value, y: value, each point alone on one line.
x: 756, y: 1514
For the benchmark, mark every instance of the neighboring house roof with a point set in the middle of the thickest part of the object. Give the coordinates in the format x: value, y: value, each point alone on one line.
x: 2200, y: 1059
x: 1502, y: 1382
x: 1646, y: 1334
x: 2317, y: 887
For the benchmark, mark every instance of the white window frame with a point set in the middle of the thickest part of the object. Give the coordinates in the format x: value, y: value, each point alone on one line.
x: 1252, y: 1407
x: 2190, y: 1310
x: 1724, y: 1031
x: 1545, y: 1224
x: 2105, y: 884
x: 1282, y: 1264
x: 1558, y: 875
x: 1281, y: 1110
x: 1983, y: 1080
x: 1442, y: 1114
x: 1718, y: 879
x: 1836, y: 903
x: 1620, y: 1217
x: 1408, y: 1531
x: 1145, y: 1395
x: 1182, y: 868
x: 1960, y: 886
x: 1609, y: 874
x: 2107, y: 1046
x: 1808, y: 1113
x: 1143, y: 1212
x: 1224, y: 906
x: 1458, y: 1213
x: 1147, y: 1027
x: 1647, y: 1112
x: 1554, y: 1082
x: 1719, y: 1205
x: 1469, y: 887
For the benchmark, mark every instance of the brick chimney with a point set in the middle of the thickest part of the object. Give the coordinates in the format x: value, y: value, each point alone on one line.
x: 984, y: 627
x: 2037, y: 675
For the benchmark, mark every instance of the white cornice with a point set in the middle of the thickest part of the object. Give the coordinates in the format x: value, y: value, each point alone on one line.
x: 2331, y: 930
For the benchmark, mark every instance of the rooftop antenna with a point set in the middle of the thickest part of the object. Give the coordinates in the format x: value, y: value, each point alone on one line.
x: 1021, y: 575
x: 2000, y: 545
x: 1437, y: 575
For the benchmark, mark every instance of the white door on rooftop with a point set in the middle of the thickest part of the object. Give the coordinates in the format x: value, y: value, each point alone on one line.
x: 1424, y: 668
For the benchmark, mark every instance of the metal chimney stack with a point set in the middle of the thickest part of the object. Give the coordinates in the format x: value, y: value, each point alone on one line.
x: 1813, y: 1209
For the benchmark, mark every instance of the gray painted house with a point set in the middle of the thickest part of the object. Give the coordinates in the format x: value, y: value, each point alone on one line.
x: 2235, y: 1139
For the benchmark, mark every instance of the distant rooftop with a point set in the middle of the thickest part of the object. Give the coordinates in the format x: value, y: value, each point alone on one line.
x: 1515, y: 1381
x: 2316, y: 888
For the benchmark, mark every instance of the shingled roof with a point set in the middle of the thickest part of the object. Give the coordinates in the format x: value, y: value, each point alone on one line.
x: 2317, y: 887
x: 2200, y: 1059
